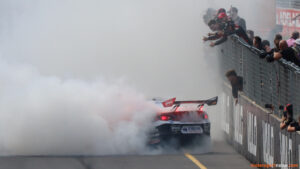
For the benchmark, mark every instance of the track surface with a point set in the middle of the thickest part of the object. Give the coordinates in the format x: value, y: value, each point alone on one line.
x: 222, y: 157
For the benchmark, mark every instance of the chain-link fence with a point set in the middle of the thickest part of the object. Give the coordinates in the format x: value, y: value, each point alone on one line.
x: 276, y: 83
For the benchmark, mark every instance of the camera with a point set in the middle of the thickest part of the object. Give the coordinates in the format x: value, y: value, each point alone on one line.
x: 281, y: 107
x: 269, y: 106
x: 270, y: 58
x: 263, y: 55
x: 294, y: 124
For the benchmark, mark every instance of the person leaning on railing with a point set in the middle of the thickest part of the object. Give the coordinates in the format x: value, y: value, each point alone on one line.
x: 287, y: 117
x: 236, y: 83
x: 222, y: 27
x: 269, y: 54
x: 294, y: 126
x: 286, y: 53
x: 257, y: 43
x: 294, y: 37
x: 297, y: 48
x: 233, y: 12
x: 250, y: 34
x: 266, y: 46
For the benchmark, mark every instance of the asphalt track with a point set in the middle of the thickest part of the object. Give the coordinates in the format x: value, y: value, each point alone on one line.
x: 222, y: 156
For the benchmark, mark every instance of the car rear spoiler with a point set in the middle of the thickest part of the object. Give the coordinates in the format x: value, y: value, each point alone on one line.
x: 210, y: 102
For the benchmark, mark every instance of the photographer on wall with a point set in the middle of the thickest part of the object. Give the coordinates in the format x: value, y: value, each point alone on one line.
x: 287, y: 120
x: 287, y: 117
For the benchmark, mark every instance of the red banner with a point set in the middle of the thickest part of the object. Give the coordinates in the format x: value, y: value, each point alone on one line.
x: 289, y: 19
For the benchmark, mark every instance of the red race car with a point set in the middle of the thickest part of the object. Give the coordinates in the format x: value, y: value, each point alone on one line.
x: 180, y: 121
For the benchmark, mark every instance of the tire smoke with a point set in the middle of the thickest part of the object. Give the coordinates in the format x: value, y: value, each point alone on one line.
x: 58, y: 105
x: 49, y: 116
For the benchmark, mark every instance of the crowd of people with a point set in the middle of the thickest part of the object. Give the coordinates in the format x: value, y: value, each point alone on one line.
x: 223, y: 24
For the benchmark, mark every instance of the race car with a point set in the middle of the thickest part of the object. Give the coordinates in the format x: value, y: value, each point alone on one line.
x: 180, y: 121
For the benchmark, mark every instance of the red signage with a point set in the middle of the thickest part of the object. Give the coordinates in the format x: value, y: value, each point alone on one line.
x: 289, y: 19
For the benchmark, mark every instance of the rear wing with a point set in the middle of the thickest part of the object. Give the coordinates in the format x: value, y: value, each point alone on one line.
x: 172, y: 102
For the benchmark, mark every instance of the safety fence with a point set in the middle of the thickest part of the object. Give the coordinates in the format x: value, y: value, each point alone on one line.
x: 276, y: 83
x: 255, y: 133
x: 253, y: 130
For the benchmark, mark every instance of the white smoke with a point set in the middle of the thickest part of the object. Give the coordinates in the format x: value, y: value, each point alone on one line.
x: 46, y: 115
x: 57, y: 104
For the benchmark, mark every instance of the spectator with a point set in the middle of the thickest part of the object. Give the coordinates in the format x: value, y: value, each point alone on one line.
x: 297, y: 48
x: 250, y: 34
x: 221, y: 10
x: 236, y: 19
x: 294, y: 126
x: 291, y: 41
x: 286, y: 53
x: 212, y: 24
x: 277, y: 39
x: 210, y: 14
x: 236, y: 83
x: 270, y: 54
x: 222, y: 17
x: 266, y: 45
x: 225, y: 28
x: 287, y: 117
x: 257, y: 43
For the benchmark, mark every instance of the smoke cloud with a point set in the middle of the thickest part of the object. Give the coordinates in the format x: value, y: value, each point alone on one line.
x: 46, y: 115
x: 76, y: 75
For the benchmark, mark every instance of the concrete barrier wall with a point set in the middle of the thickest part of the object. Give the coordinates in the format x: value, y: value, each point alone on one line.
x: 255, y: 133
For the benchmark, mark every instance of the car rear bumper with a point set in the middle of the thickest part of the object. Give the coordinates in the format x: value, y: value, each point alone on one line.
x: 167, y: 132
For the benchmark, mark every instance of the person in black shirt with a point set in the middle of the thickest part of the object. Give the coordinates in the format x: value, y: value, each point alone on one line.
x: 257, y: 43
x: 270, y: 57
x: 295, y: 126
x: 292, y: 124
x: 210, y: 14
x: 236, y: 83
x: 266, y: 45
x: 236, y: 19
x: 225, y: 28
x: 286, y: 53
x: 287, y: 117
x: 250, y: 34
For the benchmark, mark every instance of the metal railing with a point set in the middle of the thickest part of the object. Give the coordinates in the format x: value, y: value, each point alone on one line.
x: 276, y: 83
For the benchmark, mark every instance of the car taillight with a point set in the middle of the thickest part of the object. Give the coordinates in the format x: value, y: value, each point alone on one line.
x: 201, y: 109
x: 164, y: 118
x: 205, y: 116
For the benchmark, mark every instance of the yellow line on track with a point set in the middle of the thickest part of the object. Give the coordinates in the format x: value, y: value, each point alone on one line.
x: 195, y: 161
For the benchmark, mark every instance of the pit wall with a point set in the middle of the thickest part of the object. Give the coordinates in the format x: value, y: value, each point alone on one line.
x: 254, y: 132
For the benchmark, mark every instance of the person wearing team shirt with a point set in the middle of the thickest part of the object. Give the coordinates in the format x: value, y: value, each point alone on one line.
x: 286, y: 53
x: 224, y: 27
x: 233, y: 13
x: 294, y: 126
x: 287, y: 117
